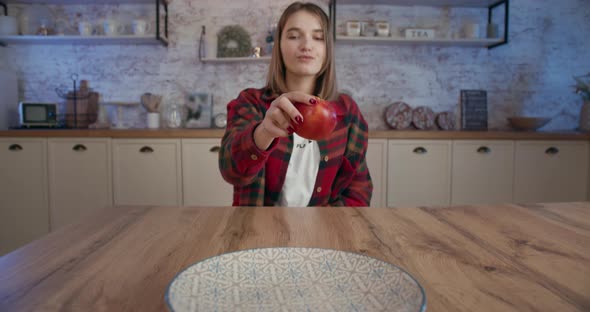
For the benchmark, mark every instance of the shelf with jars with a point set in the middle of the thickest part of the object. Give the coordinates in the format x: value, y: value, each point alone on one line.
x: 39, y: 27
x: 471, y: 34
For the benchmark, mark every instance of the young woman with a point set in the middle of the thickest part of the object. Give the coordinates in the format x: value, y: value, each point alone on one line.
x: 269, y: 164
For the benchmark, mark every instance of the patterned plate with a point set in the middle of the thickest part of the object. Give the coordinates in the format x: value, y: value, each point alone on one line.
x: 294, y: 279
x: 423, y: 118
x: 445, y: 121
x: 398, y: 115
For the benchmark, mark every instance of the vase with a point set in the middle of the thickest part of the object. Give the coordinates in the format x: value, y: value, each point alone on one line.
x: 585, y: 117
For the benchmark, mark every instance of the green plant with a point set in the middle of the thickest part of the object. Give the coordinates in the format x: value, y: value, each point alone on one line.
x: 583, y: 86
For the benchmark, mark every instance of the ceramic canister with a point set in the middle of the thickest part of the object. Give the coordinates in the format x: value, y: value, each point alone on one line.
x: 8, y: 25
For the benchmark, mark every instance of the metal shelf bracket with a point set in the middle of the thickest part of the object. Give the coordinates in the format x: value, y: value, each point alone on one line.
x: 506, y: 4
x: 164, y: 39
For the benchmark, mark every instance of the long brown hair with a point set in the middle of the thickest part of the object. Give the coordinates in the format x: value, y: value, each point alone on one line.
x: 325, y: 86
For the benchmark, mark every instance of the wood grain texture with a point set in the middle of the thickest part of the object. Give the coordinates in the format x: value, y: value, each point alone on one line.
x: 378, y: 134
x: 111, y: 133
x: 468, y: 258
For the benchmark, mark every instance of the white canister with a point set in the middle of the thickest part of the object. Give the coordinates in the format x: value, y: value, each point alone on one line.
x: 85, y: 29
x: 153, y: 120
x: 140, y: 27
x: 8, y: 25
x: 471, y: 30
x: 382, y: 28
x: 353, y: 28
x: 111, y: 27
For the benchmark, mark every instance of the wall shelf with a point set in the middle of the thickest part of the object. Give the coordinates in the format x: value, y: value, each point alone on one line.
x: 432, y: 3
x: 82, y: 2
x: 490, y: 5
x: 160, y: 37
x: 235, y: 59
x: 432, y: 42
x: 91, y: 40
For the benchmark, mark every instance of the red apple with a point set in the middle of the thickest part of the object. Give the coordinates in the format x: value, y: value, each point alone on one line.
x: 319, y: 120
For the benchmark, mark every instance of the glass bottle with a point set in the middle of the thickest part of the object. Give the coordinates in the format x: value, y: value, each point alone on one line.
x: 174, y: 116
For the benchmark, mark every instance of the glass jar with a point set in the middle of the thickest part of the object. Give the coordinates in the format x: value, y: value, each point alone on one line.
x: 174, y: 115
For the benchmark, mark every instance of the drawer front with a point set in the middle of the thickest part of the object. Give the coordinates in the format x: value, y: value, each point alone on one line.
x: 377, y: 163
x: 551, y: 171
x: 24, y: 214
x: 482, y: 172
x: 419, y: 173
x: 202, y: 181
x: 79, y: 178
x: 147, y: 172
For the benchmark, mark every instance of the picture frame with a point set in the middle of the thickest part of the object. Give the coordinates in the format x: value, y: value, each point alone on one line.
x: 199, y: 109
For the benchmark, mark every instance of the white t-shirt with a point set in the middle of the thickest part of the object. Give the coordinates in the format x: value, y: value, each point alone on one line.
x: 301, y: 173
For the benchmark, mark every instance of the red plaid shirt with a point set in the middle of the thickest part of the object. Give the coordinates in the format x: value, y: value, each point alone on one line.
x: 257, y: 175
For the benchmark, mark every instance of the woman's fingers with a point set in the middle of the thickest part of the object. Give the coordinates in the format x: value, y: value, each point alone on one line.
x: 301, y: 97
x: 283, y: 118
x: 273, y: 130
x: 285, y: 103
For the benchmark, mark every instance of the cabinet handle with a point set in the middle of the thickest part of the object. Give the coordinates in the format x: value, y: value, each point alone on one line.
x: 420, y: 150
x: 15, y: 147
x: 552, y: 151
x: 146, y: 149
x: 215, y: 149
x: 79, y: 148
x: 484, y: 150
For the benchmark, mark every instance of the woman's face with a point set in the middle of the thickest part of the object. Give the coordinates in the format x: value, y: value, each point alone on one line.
x: 302, y: 45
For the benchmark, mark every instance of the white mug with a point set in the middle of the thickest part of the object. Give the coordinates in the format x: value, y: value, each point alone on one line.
x: 85, y: 29
x: 111, y: 27
x: 140, y: 27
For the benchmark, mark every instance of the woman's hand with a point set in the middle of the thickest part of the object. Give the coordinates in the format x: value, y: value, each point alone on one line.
x: 281, y: 119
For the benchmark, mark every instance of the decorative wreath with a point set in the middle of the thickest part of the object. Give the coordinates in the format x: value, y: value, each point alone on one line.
x: 233, y: 41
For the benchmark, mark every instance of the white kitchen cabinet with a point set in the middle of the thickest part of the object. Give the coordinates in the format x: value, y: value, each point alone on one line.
x: 24, y: 214
x: 377, y: 162
x: 147, y: 172
x: 201, y: 180
x: 418, y: 172
x: 79, y: 178
x: 550, y: 171
x: 482, y: 172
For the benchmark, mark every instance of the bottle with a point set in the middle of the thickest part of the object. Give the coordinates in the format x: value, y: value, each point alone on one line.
x: 269, y: 43
x: 203, y: 44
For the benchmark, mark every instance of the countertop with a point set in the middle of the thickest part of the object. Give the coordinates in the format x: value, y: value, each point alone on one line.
x: 469, y: 258
x: 380, y: 134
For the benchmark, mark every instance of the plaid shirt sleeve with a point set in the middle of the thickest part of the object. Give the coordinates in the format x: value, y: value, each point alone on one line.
x: 358, y: 187
x: 240, y: 160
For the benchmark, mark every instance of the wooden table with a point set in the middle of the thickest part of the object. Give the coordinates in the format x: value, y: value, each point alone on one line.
x: 471, y: 258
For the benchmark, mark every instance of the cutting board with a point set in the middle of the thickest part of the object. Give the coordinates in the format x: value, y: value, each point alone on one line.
x: 8, y: 99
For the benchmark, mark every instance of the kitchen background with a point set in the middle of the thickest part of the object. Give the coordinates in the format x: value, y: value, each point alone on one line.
x: 531, y: 75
